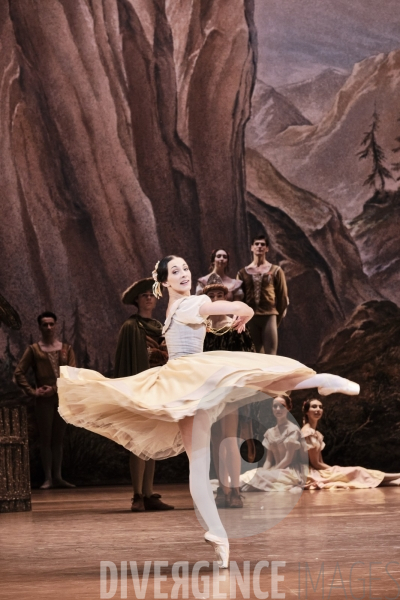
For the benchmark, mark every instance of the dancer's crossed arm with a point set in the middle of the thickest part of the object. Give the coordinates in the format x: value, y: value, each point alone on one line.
x: 241, y: 311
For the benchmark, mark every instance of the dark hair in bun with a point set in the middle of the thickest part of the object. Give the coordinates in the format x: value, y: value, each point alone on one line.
x: 287, y: 399
x: 162, y: 269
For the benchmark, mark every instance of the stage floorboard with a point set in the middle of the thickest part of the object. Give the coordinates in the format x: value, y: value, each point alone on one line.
x: 351, y: 538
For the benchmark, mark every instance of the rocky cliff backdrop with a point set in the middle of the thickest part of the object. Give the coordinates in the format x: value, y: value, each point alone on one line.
x: 135, y: 128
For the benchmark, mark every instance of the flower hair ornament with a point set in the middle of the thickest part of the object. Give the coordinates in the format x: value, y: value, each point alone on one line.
x: 157, y: 291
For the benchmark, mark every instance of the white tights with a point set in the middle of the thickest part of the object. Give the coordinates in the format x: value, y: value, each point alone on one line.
x: 196, y: 433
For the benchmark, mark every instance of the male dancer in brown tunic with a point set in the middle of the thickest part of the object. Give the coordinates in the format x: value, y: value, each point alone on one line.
x: 45, y: 359
x: 265, y: 290
x: 138, y: 349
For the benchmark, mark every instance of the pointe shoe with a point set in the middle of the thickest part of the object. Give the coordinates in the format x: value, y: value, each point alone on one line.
x: 350, y: 388
x: 221, y: 549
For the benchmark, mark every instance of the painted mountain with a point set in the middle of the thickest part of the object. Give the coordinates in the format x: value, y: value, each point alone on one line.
x: 308, y: 238
x: 271, y: 113
x: 323, y: 158
x: 314, y: 97
x: 376, y: 233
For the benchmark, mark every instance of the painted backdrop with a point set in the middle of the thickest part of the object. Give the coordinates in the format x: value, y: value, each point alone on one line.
x: 135, y: 128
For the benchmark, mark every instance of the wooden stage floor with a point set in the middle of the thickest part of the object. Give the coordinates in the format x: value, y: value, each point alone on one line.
x: 350, y: 538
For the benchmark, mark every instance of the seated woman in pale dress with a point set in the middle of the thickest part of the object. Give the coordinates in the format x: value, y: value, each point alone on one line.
x: 323, y: 476
x: 285, y: 467
x: 166, y: 410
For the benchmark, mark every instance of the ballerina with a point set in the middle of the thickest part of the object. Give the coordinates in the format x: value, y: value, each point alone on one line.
x: 320, y: 474
x: 166, y: 410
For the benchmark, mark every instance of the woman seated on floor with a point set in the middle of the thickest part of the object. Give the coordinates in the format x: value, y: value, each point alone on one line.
x: 320, y: 474
x: 285, y: 467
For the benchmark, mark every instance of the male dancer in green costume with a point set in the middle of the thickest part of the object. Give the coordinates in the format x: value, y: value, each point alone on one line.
x: 138, y: 349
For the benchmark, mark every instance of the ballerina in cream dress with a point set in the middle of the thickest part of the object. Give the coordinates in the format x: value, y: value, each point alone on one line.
x: 286, y: 465
x: 322, y: 476
x: 166, y: 410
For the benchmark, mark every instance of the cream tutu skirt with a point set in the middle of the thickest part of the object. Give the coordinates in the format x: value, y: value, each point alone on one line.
x: 142, y: 412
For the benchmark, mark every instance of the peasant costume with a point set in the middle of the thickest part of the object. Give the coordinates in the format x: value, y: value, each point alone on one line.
x: 336, y: 477
x: 289, y: 479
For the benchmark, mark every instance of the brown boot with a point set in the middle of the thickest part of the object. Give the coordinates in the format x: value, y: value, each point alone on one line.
x: 235, y: 499
x: 138, y: 503
x: 222, y: 499
x: 156, y: 504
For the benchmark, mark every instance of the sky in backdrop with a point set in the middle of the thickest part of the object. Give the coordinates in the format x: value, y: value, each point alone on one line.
x: 300, y: 38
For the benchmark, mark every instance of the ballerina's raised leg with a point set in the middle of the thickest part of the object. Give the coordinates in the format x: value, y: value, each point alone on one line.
x: 329, y: 384
x: 196, y: 432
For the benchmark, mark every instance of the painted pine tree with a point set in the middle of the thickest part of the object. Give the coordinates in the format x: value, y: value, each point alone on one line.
x: 379, y: 174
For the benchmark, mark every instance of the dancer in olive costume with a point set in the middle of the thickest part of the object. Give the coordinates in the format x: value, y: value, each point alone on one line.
x: 139, y: 348
x: 44, y: 358
x: 265, y: 290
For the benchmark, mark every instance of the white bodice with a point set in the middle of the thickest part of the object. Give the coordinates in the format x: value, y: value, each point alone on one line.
x: 185, y: 329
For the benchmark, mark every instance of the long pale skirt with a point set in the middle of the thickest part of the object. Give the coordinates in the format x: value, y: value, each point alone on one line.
x: 273, y: 480
x: 142, y: 412
x: 343, y: 478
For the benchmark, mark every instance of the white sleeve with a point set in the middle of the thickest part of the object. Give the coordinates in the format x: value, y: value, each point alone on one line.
x: 188, y: 310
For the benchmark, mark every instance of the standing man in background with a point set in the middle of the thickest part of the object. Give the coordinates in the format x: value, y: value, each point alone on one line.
x: 45, y: 358
x: 265, y: 291
x: 139, y: 347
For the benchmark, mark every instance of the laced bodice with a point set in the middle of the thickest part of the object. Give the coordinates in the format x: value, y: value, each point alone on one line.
x: 184, y: 328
